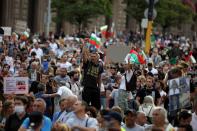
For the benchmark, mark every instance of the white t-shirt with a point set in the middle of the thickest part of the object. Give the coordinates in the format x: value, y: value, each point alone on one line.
x: 135, y: 128
x: 162, y: 93
x: 38, y: 52
x: 153, y: 71
x: 10, y: 62
x: 128, y: 77
x: 63, y: 92
x: 194, y: 121
x: 66, y: 65
x: 54, y: 47
x: 84, y: 122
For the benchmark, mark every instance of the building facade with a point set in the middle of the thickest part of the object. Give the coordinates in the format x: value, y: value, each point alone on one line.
x: 20, y: 14
x: 32, y: 14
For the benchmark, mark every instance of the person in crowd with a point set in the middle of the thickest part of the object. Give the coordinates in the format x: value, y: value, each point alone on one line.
x: 185, y: 118
x: 36, y: 121
x: 34, y: 72
x: 130, y: 121
x: 156, y: 57
x: 39, y: 106
x: 194, y: 116
x: 40, y: 94
x: 74, y: 84
x: 140, y: 83
x: 80, y: 120
x: 15, y: 120
x: 101, y: 120
x: 160, y: 120
x: 92, y: 70
x: 8, y: 109
x: 148, y: 90
x: 160, y: 86
x: 91, y: 112
x: 60, y: 51
x: 68, y: 111
x: 64, y: 63
x: 1, y: 115
x: 114, y: 93
x: 60, y: 127
x: 61, y: 91
x: 113, y: 121
x: 53, y: 45
x: 62, y: 104
x: 62, y: 77
x: 141, y: 119
x: 29, y: 108
x: 128, y: 84
x: 151, y: 69
x: 37, y: 50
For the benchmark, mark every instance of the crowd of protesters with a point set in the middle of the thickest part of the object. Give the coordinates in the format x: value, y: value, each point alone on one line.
x: 73, y: 87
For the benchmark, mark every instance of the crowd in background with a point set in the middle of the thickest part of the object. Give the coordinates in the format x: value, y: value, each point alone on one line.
x: 73, y: 87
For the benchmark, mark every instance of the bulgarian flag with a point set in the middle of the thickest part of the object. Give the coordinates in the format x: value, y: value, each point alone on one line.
x: 105, y: 32
x: 135, y: 57
x: 94, y: 40
x: 104, y: 28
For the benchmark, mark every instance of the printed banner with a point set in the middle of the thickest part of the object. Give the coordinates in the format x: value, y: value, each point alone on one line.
x: 179, y: 93
x: 16, y: 85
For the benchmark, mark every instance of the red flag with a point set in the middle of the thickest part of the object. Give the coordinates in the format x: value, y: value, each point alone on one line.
x: 107, y: 34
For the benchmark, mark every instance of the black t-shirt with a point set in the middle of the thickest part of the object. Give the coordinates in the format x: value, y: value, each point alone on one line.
x: 146, y: 92
x: 13, y: 123
x: 91, y: 74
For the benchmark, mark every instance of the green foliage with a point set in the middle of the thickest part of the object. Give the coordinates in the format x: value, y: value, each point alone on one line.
x: 169, y: 12
x: 173, y: 12
x: 135, y: 8
x: 79, y: 12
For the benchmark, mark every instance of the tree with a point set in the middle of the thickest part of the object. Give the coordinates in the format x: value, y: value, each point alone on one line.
x: 106, y: 10
x: 80, y: 12
x: 173, y: 13
x: 169, y: 12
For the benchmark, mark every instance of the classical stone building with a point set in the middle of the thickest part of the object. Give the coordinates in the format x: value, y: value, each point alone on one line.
x: 19, y: 14
x: 32, y: 14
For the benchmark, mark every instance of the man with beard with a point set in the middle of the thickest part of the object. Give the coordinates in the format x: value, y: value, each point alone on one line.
x: 92, y: 69
x: 148, y: 90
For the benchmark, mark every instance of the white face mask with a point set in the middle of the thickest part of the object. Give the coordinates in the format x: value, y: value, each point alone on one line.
x: 19, y: 109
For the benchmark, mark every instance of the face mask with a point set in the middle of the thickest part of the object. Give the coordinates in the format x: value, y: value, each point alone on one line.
x: 19, y: 109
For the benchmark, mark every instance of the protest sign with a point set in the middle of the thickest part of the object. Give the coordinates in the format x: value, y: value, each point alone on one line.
x: 7, y: 31
x: 117, y: 53
x: 15, y: 85
x: 179, y: 93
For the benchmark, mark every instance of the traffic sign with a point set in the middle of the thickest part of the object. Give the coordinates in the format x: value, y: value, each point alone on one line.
x: 144, y: 23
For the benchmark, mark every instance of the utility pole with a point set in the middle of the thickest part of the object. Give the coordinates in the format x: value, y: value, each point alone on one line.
x: 151, y: 14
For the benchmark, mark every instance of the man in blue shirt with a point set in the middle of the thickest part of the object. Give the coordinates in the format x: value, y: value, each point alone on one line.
x: 38, y: 106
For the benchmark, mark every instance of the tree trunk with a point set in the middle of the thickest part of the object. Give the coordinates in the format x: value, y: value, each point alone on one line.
x: 108, y: 21
x: 59, y: 22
